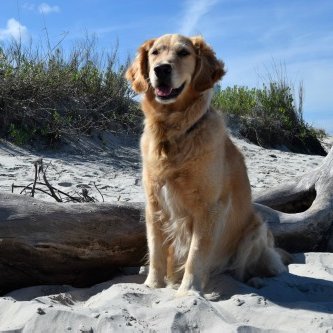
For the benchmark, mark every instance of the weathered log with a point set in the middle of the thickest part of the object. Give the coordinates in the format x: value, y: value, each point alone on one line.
x: 300, y: 213
x: 77, y: 244
x: 82, y: 244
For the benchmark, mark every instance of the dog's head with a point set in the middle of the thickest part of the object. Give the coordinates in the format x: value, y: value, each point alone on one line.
x: 172, y: 64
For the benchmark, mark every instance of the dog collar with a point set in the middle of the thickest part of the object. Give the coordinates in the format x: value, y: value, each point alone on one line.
x: 196, y: 124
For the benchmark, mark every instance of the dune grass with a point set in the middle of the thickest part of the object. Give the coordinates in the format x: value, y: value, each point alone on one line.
x: 46, y: 93
x: 49, y: 94
x: 270, y: 116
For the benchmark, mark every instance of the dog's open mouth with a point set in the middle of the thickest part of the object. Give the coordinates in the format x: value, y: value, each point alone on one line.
x: 166, y: 92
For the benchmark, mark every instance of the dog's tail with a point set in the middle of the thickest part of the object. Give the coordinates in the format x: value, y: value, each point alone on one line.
x: 286, y: 257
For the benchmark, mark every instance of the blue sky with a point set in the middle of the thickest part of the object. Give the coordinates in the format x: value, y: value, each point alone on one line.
x: 248, y: 35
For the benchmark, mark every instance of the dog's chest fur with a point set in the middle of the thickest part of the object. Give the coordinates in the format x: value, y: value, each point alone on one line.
x: 177, y: 223
x: 171, y: 174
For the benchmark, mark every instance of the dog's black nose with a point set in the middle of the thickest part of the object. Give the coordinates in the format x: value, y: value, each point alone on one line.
x: 163, y: 71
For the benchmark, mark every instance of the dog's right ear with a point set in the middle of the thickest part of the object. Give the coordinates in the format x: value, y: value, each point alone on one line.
x: 137, y: 73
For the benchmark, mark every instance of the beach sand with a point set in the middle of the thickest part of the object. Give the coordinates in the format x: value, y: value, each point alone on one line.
x: 298, y: 301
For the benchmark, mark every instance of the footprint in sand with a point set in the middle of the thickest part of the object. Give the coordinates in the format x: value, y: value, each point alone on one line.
x: 65, y: 184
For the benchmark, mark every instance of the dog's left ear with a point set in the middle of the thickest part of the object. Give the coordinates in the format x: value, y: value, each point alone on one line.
x: 208, y: 68
x: 137, y: 73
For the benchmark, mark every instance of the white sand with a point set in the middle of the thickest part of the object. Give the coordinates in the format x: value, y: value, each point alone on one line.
x: 298, y: 301
x: 113, y: 164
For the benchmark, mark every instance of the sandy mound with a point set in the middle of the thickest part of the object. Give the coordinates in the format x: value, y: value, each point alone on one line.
x: 298, y: 301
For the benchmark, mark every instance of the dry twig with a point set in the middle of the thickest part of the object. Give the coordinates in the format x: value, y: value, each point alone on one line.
x: 40, y: 171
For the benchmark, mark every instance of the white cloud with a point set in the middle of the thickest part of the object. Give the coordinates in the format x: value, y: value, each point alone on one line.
x: 45, y: 8
x: 14, y: 29
x: 28, y: 6
x: 194, y: 10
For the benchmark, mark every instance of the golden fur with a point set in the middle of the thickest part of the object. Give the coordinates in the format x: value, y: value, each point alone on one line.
x: 199, y: 214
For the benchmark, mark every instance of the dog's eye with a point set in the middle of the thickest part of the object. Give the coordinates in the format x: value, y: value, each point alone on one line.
x: 183, y: 53
x: 155, y: 52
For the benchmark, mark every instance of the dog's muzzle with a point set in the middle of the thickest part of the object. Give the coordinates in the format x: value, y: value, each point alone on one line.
x: 164, y: 90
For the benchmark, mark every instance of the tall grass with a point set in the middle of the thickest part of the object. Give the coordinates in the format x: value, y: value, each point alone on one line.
x: 273, y: 103
x: 50, y: 94
x: 271, y: 115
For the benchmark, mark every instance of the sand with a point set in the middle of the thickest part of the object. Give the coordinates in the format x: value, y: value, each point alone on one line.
x: 298, y: 301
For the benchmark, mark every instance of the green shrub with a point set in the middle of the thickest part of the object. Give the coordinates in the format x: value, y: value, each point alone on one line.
x: 270, y: 116
x: 236, y: 100
x: 20, y: 136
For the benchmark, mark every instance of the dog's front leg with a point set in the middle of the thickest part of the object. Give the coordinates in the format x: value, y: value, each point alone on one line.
x: 157, y: 248
x: 197, y: 265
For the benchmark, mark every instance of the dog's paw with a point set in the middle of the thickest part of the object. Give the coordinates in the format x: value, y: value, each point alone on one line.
x: 213, y: 296
x: 187, y: 292
x: 256, y: 282
x: 154, y: 283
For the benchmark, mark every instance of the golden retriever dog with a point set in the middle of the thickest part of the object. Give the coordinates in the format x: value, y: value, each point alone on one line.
x: 199, y: 215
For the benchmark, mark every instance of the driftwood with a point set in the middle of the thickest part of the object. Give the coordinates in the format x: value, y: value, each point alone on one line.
x: 77, y: 244
x: 82, y: 244
x: 300, y: 213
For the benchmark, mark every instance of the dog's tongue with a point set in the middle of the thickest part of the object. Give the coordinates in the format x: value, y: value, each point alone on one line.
x: 163, y: 91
